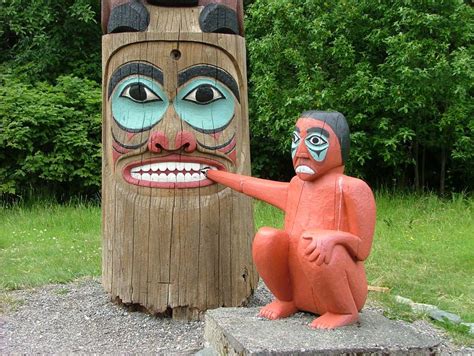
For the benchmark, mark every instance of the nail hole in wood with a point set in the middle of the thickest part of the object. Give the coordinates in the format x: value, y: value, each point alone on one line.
x: 175, y: 54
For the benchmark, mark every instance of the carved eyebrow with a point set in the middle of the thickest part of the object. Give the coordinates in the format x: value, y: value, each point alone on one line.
x: 297, y: 129
x: 132, y: 68
x: 318, y: 130
x: 211, y: 72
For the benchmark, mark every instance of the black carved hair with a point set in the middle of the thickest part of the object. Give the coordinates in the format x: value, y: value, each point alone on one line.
x: 338, y: 123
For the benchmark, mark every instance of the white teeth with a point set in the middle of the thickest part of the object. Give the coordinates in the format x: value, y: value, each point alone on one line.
x: 171, y: 172
x: 305, y: 169
x: 172, y: 178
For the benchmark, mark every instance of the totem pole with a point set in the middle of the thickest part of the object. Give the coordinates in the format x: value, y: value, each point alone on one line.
x: 315, y: 263
x: 175, y: 101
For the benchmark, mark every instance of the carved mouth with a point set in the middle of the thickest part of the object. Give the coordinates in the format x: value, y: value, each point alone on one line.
x: 304, y: 169
x: 172, y: 171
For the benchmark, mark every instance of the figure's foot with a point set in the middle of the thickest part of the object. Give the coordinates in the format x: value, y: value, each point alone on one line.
x: 277, y: 310
x: 331, y: 320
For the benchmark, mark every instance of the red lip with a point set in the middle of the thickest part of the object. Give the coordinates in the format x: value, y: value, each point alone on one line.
x: 168, y: 172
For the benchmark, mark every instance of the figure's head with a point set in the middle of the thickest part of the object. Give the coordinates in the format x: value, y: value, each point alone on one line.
x: 320, y: 142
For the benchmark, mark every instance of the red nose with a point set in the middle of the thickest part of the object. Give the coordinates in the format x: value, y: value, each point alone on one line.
x: 184, y: 140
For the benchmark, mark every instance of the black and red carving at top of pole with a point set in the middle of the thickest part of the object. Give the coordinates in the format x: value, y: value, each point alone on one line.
x: 217, y: 16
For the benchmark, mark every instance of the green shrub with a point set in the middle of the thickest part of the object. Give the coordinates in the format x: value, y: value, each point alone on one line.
x: 50, y: 136
x: 401, y: 71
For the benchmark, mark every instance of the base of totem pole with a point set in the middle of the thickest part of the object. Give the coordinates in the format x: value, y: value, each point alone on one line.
x: 238, y: 331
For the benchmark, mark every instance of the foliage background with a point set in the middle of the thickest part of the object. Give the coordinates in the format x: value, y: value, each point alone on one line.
x: 402, y: 72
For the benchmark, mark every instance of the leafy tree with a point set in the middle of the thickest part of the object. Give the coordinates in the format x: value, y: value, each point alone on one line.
x: 401, y: 72
x: 43, y: 39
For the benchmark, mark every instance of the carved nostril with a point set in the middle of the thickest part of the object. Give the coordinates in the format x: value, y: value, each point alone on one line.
x: 158, y: 142
x: 186, y: 141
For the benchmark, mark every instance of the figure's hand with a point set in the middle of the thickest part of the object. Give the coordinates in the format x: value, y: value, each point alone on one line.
x: 320, y: 248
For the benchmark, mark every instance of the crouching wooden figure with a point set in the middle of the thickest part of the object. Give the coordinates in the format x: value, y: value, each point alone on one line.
x: 315, y: 263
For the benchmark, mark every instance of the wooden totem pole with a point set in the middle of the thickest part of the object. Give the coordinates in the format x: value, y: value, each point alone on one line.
x: 175, y: 102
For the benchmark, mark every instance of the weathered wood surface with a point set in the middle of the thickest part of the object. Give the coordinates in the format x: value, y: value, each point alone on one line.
x: 184, y: 249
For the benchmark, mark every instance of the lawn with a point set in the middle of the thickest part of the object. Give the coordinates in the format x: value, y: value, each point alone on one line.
x: 423, y: 248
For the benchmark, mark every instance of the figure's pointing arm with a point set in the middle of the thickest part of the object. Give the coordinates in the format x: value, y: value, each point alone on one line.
x: 272, y: 192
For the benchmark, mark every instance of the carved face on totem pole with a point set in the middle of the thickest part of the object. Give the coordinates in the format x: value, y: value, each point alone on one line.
x: 320, y: 142
x: 173, y: 109
x: 175, y: 102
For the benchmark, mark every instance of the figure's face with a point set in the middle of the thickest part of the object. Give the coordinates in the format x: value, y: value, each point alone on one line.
x: 170, y: 118
x: 315, y: 149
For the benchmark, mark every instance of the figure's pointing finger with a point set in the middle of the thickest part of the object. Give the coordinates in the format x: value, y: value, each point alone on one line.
x: 204, y: 170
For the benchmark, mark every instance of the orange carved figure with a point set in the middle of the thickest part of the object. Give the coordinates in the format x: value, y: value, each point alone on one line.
x: 315, y: 263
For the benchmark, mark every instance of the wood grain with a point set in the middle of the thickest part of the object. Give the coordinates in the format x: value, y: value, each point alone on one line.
x: 184, y: 250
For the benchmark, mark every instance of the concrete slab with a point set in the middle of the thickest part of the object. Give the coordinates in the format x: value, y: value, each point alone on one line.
x: 238, y: 331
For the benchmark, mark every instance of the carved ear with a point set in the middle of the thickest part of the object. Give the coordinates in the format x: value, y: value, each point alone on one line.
x: 219, y: 18
x: 174, y: 2
x: 131, y: 16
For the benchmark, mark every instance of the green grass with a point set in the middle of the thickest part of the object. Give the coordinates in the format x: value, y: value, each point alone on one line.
x: 423, y: 250
x: 48, y: 243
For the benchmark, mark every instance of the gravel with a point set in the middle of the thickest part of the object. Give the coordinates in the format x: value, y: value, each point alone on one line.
x: 79, y: 318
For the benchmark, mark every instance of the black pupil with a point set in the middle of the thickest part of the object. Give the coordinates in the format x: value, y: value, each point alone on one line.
x: 315, y: 140
x: 138, y: 92
x: 204, y: 94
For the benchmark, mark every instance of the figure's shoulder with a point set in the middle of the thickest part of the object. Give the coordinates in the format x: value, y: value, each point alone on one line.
x: 354, y: 185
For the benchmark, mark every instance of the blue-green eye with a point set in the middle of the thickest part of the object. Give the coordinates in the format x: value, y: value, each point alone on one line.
x: 295, y: 141
x: 140, y: 93
x: 317, y: 145
x: 206, y: 105
x: 138, y: 103
x: 204, y: 94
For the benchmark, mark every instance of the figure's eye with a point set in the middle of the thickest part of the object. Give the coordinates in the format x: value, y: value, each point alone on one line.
x: 140, y: 93
x: 295, y: 137
x: 316, y: 140
x: 204, y: 94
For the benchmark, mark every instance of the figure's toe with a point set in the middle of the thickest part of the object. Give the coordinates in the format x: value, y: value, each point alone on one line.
x: 331, y: 320
x: 277, y: 309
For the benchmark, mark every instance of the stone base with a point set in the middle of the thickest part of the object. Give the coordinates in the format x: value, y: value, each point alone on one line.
x: 238, y: 331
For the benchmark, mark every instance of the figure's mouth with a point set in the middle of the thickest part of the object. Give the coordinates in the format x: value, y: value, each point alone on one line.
x: 172, y: 171
x: 304, y: 169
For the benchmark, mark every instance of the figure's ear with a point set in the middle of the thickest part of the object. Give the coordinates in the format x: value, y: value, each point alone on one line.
x: 219, y: 18
x: 124, y: 16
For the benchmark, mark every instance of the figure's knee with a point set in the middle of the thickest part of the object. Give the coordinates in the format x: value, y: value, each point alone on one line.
x: 269, y: 237
x: 270, y: 246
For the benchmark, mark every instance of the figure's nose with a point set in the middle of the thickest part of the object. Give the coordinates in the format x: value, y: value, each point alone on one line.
x: 302, y: 151
x: 184, y: 141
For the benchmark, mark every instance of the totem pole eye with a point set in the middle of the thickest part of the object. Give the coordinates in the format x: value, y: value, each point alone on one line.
x: 138, y: 103
x: 206, y: 105
x: 204, y: 94
x: 140, y: 93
